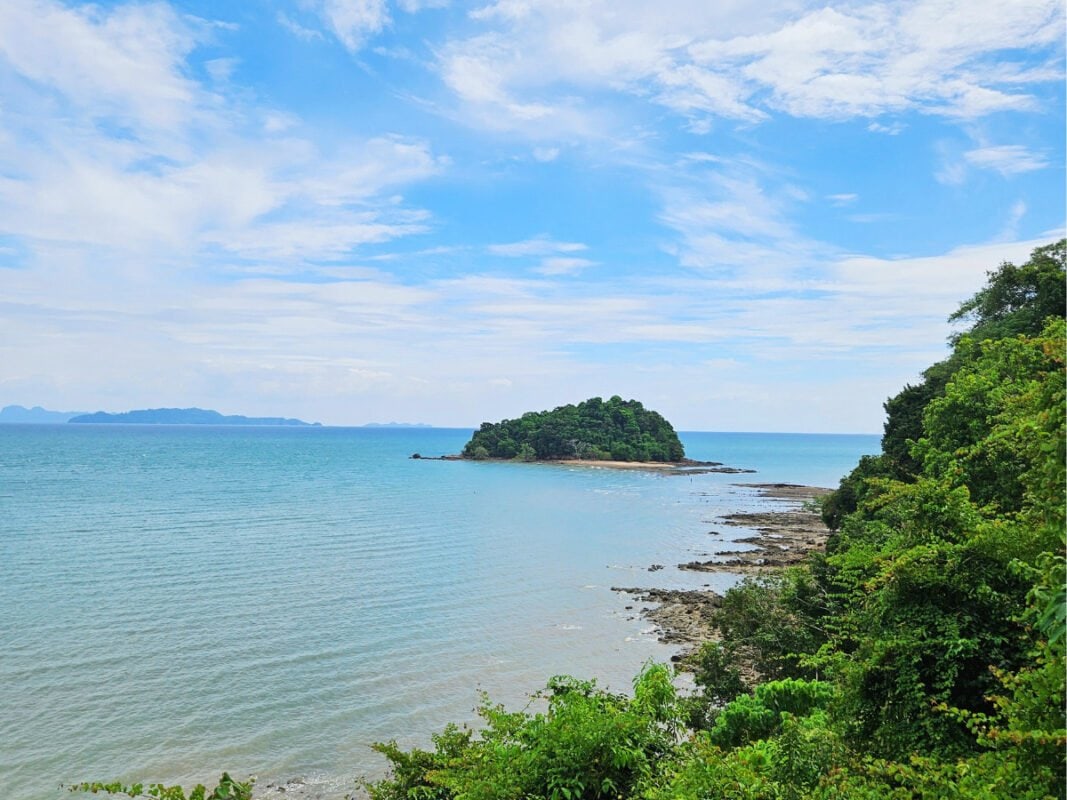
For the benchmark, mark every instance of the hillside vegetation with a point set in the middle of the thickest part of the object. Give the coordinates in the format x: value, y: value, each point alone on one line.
x: 614, y: 430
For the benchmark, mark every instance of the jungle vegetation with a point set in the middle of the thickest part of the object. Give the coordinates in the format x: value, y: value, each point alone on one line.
x: 920, y: 656
x: 612, y: 430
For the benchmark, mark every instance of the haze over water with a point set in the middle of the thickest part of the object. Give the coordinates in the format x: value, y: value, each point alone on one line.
x: 175, y: 601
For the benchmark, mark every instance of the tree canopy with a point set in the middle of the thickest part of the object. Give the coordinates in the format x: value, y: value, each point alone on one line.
x: 614, y: 430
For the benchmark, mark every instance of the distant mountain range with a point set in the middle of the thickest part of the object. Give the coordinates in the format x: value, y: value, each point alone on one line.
x: 35, y: 415
x: 147, y: 416
x: 183, y: 416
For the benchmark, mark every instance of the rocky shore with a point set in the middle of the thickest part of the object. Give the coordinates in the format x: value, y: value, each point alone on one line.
x: 783, y: 537
x: 681, y: 616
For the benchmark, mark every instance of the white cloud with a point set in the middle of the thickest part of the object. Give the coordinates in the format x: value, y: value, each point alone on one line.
x: 353, y: 22
x: 221, y: 69
x: 728, y: 220
x: 191, y: 171
x: 844, y: 199
x: 1009, y: 159
x: 123, y: 64
x: 538, y: 246
x: 414, y: 6
x: 1010, y: 231
x: 299, y: 31
x: 563, y: 266
x: 894, y: 129
x: 545, y: 154
x: 717, y: 60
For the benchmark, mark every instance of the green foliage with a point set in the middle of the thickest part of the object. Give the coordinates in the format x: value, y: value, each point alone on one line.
x: 904, y: 421
x: 852, y: 490
x: 761, y: 714
x: 616, y: 429
x: 1019, y: 300
x: 715, y: 671
x: 985, y: 776
x: 703, y: 771
x: 412, y: 772
x: 227, y: 789
x: 981, y: 432
x: 769, y: 624
x: 588, y: 744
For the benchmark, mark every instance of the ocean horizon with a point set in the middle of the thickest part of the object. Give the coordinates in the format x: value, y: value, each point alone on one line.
x: 182, y: 600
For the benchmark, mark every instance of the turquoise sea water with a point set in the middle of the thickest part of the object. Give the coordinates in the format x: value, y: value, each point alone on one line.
x: 175, y: 601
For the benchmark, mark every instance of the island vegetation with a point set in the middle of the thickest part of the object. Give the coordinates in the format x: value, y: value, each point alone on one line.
x: 920, y: 655
x: 604, y: 430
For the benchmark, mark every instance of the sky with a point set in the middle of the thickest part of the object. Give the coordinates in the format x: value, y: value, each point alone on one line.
x: 749, y: 216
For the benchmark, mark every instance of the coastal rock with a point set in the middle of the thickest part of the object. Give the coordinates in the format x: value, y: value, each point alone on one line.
x: 687, y: 470
x: 682, y: 616
x: 783, y: 537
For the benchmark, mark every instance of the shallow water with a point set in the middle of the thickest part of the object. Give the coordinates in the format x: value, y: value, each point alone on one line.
x: 175, y: 601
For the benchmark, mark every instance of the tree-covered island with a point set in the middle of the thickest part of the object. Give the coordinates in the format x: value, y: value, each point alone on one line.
x: 607, y: 430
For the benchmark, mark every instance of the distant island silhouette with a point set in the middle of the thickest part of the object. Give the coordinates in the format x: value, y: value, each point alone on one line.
x: 185, y: 416
x: 20, y: 415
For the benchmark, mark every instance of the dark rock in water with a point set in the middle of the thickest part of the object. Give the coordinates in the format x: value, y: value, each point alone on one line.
x: 415, y: 455
x: 655, y: 568
x: 682, y: 617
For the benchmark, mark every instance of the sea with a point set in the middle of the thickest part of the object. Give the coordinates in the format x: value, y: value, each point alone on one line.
x: 176, y: 601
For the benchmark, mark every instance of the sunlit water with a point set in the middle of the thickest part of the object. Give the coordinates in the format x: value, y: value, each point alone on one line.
x: 175, y: 601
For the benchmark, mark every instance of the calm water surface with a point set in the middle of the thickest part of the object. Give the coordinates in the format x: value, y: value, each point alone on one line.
x: 175, y: 601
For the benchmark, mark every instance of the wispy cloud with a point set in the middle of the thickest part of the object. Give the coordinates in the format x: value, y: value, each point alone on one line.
x: 563, y: 266
x: 353, y: 22
x: 1008, y: 159
x: 192, y: 170
x: 300, y: 31
x: 537, y: 246
x: 707, y: 61
x: 844, y: 199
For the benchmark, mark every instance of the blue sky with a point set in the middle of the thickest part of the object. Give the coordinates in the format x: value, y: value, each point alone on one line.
x: 748, y: 216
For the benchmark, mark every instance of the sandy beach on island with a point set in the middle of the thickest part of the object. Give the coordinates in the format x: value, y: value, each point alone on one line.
x: 686, y: 467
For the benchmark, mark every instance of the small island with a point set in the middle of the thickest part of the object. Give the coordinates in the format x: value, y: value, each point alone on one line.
x: 594, y: 430
x: 183, y: 416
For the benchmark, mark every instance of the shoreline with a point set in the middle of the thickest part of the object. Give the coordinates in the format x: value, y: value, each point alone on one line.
x: 686, y: 466
x: 783, y: 537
